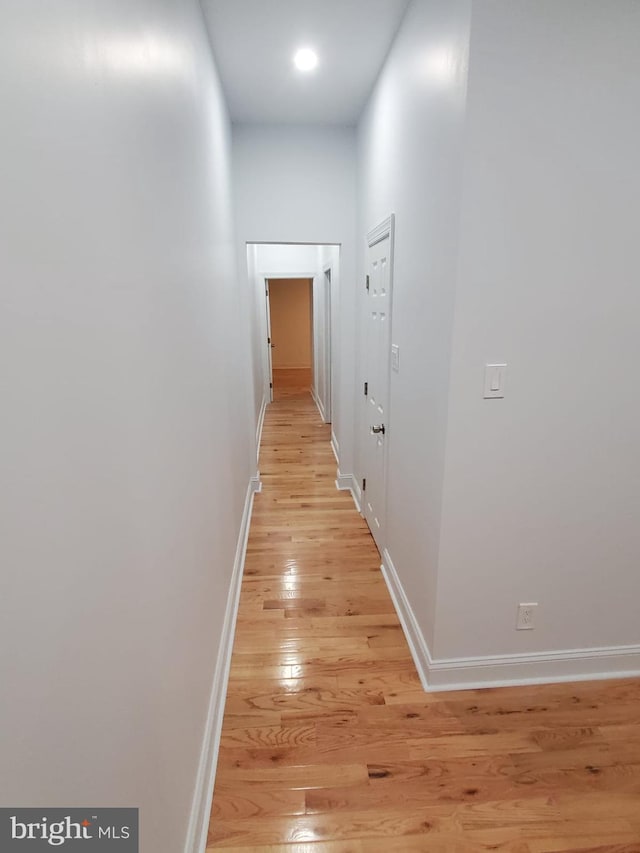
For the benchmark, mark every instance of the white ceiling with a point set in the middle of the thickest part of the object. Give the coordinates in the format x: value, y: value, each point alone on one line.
x: 254, y: 41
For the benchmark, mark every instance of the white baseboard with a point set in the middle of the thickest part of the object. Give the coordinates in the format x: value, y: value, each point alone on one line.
x: 196, y: 841
x: 344, y: 482
x: 536, y: 668
x: 318, y: 403
x: 347, y: 482
x: 335, y: 447
x: 505, y: 670
x: 414, y: 636
x: 263, y: 409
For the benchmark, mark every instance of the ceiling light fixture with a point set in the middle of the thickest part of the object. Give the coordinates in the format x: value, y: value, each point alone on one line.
x: 305, y: 59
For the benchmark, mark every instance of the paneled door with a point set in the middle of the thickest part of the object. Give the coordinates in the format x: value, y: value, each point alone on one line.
x: 376, y: 423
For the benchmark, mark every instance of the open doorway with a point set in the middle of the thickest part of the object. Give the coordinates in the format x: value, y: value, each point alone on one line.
x: 276, y: 270
x: 290, y: 308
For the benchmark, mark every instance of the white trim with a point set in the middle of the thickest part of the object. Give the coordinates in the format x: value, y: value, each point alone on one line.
x: 356, y: 491
x: 347, y: 483
x: 505, y: 670
x: 286, y: 275
x: 318, y: 403
x: 267, y: 388
x: 335, y: 447
x: 328, y: 338
x: 535, y: 668
x: 196, y: 841
x: 263, y: 409
x: 381, y: 230
x: 417, y: 645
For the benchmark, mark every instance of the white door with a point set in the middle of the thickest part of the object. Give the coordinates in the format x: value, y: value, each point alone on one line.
x: 376, y: 425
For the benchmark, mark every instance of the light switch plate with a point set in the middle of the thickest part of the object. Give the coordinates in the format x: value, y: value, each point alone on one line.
x: 494, y: 380
x: 395, y: 357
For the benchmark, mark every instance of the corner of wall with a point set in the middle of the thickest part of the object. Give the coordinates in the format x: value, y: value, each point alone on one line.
x: 348, y: 483
x: 504, y: 670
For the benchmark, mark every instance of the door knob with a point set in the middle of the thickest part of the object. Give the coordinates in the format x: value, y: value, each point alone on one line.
x: 378, y: 429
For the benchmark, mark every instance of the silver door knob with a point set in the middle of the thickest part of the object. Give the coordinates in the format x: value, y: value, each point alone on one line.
x: 378, y: 429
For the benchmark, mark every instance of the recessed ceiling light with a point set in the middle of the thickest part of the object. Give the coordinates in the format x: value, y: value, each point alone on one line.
x: 305, y: 59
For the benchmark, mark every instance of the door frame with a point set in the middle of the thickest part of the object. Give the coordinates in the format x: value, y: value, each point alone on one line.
x: 384, y: 229
x: 269, y: 377
x: 327, y: 305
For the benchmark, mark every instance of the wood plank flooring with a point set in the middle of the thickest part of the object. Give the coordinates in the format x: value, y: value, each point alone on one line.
x: 291, y: 379
x: 329, y: 744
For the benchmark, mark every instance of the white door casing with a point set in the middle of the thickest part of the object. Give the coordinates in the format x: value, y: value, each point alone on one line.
x: 327, y: 344
x: 269, y: 344
x: 376, y: 422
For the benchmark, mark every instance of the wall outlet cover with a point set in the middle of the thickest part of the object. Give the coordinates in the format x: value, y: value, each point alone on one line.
x: 526, y: 614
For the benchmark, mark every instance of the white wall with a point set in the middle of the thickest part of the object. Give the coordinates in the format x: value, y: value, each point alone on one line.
x: 516, y: 206
x: 542, y: 489
x: 410, y: 149
x: 287, y: 261
x: 124, y: 452
x: 297, y: 185
x: 258, y: 353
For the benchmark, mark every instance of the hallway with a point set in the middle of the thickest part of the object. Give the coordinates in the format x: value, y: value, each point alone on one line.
x: 329, y: 743
x: 162, y: 160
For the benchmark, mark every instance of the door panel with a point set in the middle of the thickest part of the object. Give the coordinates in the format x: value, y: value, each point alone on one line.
x: 378, y: 346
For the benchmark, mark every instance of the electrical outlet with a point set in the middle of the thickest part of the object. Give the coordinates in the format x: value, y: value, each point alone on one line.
x: 526, y: 613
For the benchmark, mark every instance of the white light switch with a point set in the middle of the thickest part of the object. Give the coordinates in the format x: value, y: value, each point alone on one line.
x: 395, y: 357
x: 494, y: 380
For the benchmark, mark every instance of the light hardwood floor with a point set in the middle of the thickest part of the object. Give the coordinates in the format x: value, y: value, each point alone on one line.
x: 329, y: 744
x: 290, y: 380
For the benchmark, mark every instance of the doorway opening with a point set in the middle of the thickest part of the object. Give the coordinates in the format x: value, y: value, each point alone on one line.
x: 296, y: 290
x: 290, y: 321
